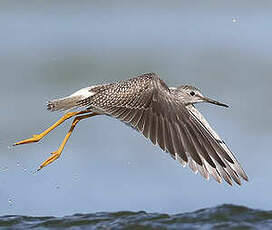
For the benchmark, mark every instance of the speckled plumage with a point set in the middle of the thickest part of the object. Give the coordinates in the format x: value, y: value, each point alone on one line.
x: 120, y: 94
x: 164, y: 115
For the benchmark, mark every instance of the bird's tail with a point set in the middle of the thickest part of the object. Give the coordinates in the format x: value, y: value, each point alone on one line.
x: 71, y: 102
x: 63, y: 104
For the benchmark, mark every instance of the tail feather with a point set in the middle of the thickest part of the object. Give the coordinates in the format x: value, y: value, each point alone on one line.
x: 72, y: 101
x: 63, y: 104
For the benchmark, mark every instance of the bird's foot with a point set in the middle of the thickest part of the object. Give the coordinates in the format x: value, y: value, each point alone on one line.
x: 34, y: 138
x: 54, y: 156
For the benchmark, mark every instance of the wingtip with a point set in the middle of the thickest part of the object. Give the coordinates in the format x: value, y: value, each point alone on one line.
x: 230, y: 183
x: 243, y: 174
x: 246, y: 178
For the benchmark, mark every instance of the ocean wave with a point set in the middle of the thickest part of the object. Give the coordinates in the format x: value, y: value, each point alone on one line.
x: 220, y: 217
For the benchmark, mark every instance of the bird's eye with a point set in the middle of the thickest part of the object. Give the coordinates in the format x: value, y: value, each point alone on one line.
x: 192, y: 93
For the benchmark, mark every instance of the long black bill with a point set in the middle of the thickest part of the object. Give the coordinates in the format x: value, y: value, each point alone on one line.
x: 214, y: 102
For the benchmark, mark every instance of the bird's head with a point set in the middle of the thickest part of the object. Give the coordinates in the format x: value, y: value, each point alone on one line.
x: 193, y: 95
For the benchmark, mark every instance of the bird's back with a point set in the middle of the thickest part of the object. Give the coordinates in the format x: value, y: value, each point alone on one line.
x: 101, y: 98
x: 125, y: 94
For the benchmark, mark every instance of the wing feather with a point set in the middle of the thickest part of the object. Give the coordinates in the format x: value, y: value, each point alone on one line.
x: 161, y: 132
x: 136, y: 118
x: 203, y: 171
x: 177, y: 128
x: 153, y: 128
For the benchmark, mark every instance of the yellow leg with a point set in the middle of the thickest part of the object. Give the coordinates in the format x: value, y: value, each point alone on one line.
x: 55, y: 155
x: 38, y: 137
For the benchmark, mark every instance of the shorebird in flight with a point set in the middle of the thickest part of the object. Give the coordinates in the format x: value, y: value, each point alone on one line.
x: 165, y: 115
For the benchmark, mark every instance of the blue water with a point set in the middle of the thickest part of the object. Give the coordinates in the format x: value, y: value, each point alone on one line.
x: 220, y: 217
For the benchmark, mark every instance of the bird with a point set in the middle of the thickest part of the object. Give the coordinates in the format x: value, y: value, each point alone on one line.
x: 165, y: 115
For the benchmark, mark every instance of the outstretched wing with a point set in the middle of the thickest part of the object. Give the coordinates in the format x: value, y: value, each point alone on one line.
x: 148, y: 105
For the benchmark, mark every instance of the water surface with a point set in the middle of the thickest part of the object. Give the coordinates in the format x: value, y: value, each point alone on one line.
x: 220, y: 217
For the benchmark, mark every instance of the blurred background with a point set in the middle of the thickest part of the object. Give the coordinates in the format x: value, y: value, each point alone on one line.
x: 50, y: 49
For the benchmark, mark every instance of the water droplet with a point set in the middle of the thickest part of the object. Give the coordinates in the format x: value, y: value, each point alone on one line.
x: 234, y: 20
x: 76, y: 177
x: 10, y: 201
x: 18, y: 163
x: 4, y: 169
